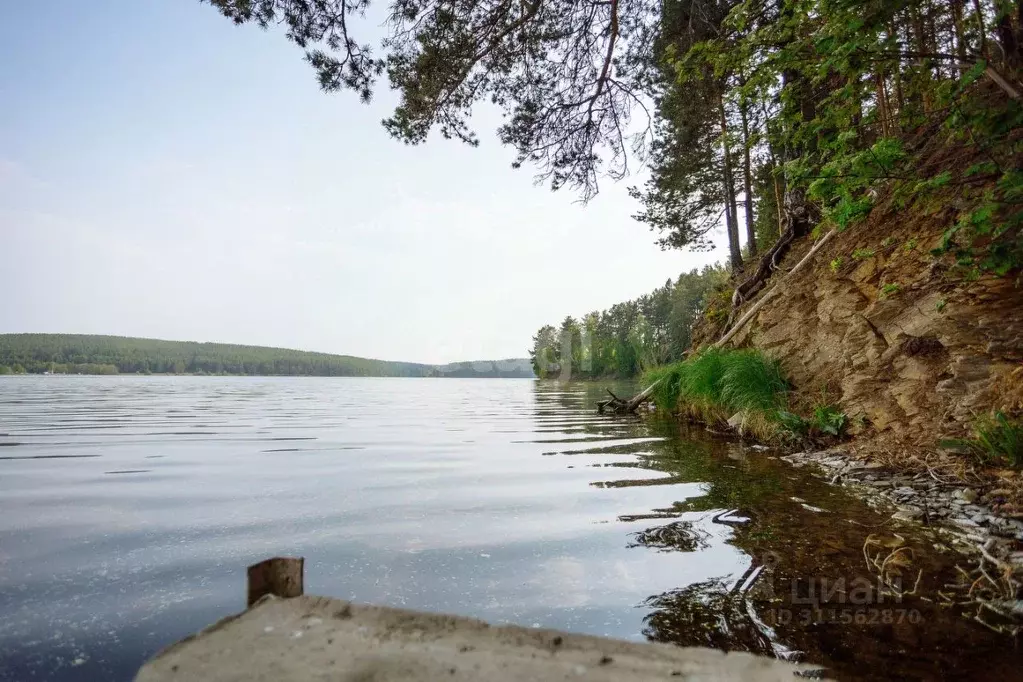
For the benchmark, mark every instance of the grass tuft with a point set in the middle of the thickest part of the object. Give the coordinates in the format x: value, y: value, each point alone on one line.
x: 996, y: 439
x: 666, y: 394
x: 751, y: 382
x: 714, y: 384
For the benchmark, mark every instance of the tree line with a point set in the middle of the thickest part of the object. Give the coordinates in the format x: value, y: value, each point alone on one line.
x: 629, y: 337
x: 93, y: 354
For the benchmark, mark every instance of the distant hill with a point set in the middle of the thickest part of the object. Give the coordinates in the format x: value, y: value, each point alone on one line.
x: 511, y: 367
x: 94, y: 354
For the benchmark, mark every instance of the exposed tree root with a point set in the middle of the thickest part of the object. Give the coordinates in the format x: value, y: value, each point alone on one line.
x: 796, y: 220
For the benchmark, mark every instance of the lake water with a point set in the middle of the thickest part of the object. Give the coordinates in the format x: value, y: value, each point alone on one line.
x: 130, y: 507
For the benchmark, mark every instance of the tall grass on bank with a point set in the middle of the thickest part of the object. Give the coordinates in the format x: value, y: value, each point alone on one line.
x: 715, y: 384
x: 997, y: 439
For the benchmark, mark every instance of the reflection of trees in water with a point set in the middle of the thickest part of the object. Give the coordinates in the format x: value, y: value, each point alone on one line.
x: 712, y: 614
x: 679, y: 536
x: 718, y: 612
x: 806, y: 547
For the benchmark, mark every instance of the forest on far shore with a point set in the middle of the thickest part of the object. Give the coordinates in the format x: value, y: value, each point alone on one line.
x: 94, y: 354
x: 629, y: 337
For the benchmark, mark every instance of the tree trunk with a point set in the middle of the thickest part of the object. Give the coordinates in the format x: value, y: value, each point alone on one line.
x: 731, y: 209
x: 919, y: 92
x: 882, y: 103
x: 957, y: 28
x: 980, y: 26
x: 778, y: 201
x: 747, y: 180
x: 773, y: 290
x: 1007, y: 38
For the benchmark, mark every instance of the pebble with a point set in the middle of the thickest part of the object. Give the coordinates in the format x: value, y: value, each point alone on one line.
x: 905, y: 515
x: 966, y: 494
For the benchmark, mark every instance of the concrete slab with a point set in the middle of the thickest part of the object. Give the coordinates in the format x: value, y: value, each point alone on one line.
x: 317, y: 638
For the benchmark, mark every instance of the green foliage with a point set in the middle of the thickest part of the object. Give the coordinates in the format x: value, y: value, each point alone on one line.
x: 629, y: 337
x: 91, y: 354
x: 4, y: 369
x: 751, y: 382
x: 940, y: 305
x: 997, y: 439
x: 838, y: 101
x: 792, y: 423
x: 829, y: 419
x: 888, y: 290
x: 862, y: 254
x: 836, y: 264
x: 714, y: 384
x: 910, y: 244
x: 888, y: 242
x: 668, y: 391
x: 826, y: 420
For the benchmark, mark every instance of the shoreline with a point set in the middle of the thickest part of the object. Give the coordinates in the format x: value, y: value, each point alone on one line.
x: 958, y: 510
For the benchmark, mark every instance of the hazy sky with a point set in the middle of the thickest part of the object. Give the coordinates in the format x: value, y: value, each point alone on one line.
x: 164, y: 173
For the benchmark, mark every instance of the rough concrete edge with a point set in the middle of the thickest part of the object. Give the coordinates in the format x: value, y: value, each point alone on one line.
x: 499, y: 635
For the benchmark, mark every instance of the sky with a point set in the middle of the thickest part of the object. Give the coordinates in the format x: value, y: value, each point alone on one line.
x: 165, y: 173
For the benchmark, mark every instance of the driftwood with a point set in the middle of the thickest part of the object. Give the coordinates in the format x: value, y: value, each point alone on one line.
x: 618, y: 405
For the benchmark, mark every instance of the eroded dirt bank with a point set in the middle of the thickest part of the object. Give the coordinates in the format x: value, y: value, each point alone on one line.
x: 909, y: 346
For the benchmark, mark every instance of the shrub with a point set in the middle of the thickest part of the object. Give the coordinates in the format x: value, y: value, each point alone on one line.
x: 829, y: 419
x: 666, y: 393
x: 751, y: 382
x: 862, y: 254
x: 715, y: 384
x: 792, y: 423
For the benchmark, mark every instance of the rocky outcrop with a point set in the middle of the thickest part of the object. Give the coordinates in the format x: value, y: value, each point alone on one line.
x: 905, y: 342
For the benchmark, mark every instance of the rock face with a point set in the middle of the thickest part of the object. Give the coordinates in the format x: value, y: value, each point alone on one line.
x: 895, y: 335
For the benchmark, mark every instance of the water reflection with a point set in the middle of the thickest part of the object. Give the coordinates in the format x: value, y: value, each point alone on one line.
x: 130, y: 506
x: 798, y: 588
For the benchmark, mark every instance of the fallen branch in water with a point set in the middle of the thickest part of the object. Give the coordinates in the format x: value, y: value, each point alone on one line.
x: 994, y: 587
x: 617, y: 405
